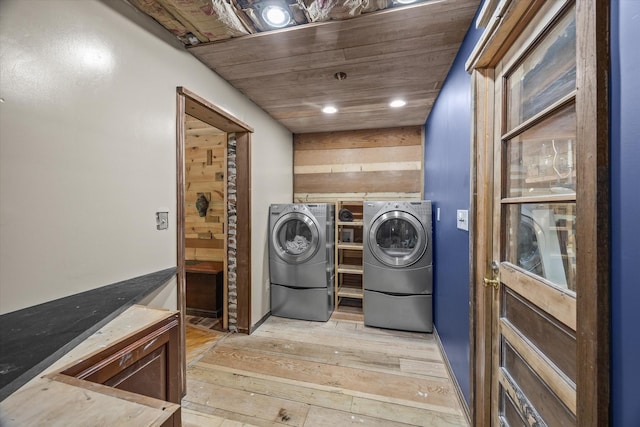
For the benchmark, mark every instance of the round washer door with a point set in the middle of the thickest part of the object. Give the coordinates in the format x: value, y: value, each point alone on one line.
x: 295, y: 238
x: 397, y: 239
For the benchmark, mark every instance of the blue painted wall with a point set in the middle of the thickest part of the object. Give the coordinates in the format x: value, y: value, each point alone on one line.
x: 447, y: 185
x: 625, y: 212
x: 447, y: 151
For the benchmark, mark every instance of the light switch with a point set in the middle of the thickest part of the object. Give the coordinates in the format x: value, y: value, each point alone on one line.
x: 463, y: 219
x: 162, y: 220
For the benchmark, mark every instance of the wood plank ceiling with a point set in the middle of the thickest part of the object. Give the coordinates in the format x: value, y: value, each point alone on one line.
x: 396, y: 53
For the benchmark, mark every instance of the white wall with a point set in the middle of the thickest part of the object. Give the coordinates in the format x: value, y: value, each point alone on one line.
x: 165, y: 296
x: 272, y: 182
x: 87, y: 149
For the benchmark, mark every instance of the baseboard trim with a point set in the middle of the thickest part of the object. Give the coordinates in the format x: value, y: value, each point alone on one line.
x: 461, y: 399
x: 260, y: 322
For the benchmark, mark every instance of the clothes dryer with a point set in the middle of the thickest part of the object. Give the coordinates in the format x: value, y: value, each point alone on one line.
x: 301, y: 260
x: 397, y: 262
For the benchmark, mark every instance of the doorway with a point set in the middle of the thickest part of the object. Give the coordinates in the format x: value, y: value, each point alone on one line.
x: 540, y: 261
x: 213, y: 212
x: 205, y: 222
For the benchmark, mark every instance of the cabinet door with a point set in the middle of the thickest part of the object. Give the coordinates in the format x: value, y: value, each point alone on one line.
x: 145, y: 363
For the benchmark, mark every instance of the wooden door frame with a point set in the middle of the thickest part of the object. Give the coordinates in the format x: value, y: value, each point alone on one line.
x: 592, y: 231
x: 195, y: 106
x: 481, y: 243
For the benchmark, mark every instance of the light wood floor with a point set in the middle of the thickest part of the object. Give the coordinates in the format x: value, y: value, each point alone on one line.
x: 299, y: 373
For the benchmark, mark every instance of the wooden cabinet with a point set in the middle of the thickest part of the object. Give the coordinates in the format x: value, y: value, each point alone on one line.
x: 126, y: 373
x: 204, y: 283
x: 146, y: 362
x: 349, y: 238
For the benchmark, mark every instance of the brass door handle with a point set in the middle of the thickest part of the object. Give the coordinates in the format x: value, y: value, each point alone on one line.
x: 494, y: 283
x: 495, y: 272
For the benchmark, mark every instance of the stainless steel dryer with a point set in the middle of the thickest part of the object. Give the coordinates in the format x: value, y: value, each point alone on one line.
x: 397, y: 258
x: 301, y: 260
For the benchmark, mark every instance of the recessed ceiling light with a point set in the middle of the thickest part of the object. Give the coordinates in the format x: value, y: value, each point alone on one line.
x: 276, y: 16
x: 396, y: 103
x: 405, y: 1
x: 329, y: 109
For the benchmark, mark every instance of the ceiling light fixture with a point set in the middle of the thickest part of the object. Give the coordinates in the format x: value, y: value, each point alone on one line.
x: 276, y: 16
x: 329, y: 109
x: 397, y: 103
x: 405, y: 1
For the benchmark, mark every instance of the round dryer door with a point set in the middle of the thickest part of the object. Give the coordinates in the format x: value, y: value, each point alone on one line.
x: 397, y: 239
x: 295, y: 238
x: 528, y: 249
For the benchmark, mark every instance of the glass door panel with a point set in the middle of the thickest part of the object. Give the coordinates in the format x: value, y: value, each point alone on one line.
x: 545, y: 75
x: 540, y: 161
x: 542, y: 240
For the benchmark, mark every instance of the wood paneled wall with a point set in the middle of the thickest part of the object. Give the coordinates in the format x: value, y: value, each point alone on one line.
x: 372, y: 164
x: 205, y: 173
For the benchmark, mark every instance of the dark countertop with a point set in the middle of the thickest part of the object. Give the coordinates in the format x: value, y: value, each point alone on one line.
x: 33, y: 338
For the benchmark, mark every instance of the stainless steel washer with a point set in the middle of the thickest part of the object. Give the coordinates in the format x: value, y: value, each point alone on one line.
x: 301, y: 260
x: 397, y: 258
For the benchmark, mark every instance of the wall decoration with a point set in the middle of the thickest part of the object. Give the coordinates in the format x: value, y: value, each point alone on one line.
x: 202, y: 204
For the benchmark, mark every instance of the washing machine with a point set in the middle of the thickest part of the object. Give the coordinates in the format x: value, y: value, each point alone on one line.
x: 301, y: 260
x: 397, y: 262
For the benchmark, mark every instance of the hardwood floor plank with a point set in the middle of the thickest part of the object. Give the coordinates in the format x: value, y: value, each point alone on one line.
x: 192, y: 418
x: 370, y: 333
x: 409, y: 351
x: 406, y: 414
x: 328, y: 354
x: 232, y: 419
x: 199, y: 341
x: 270, y: 386
x: 231, y: 423
x: 255, y: 405
x: 388, y: 343
x: 346, y: 325
x: 424, y: 368
x: 344, y: 393
x: 322, y: 417
x: 393, y: 333
x: 341, y: 356
x: 434, y: 391
x: 335, y: 373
